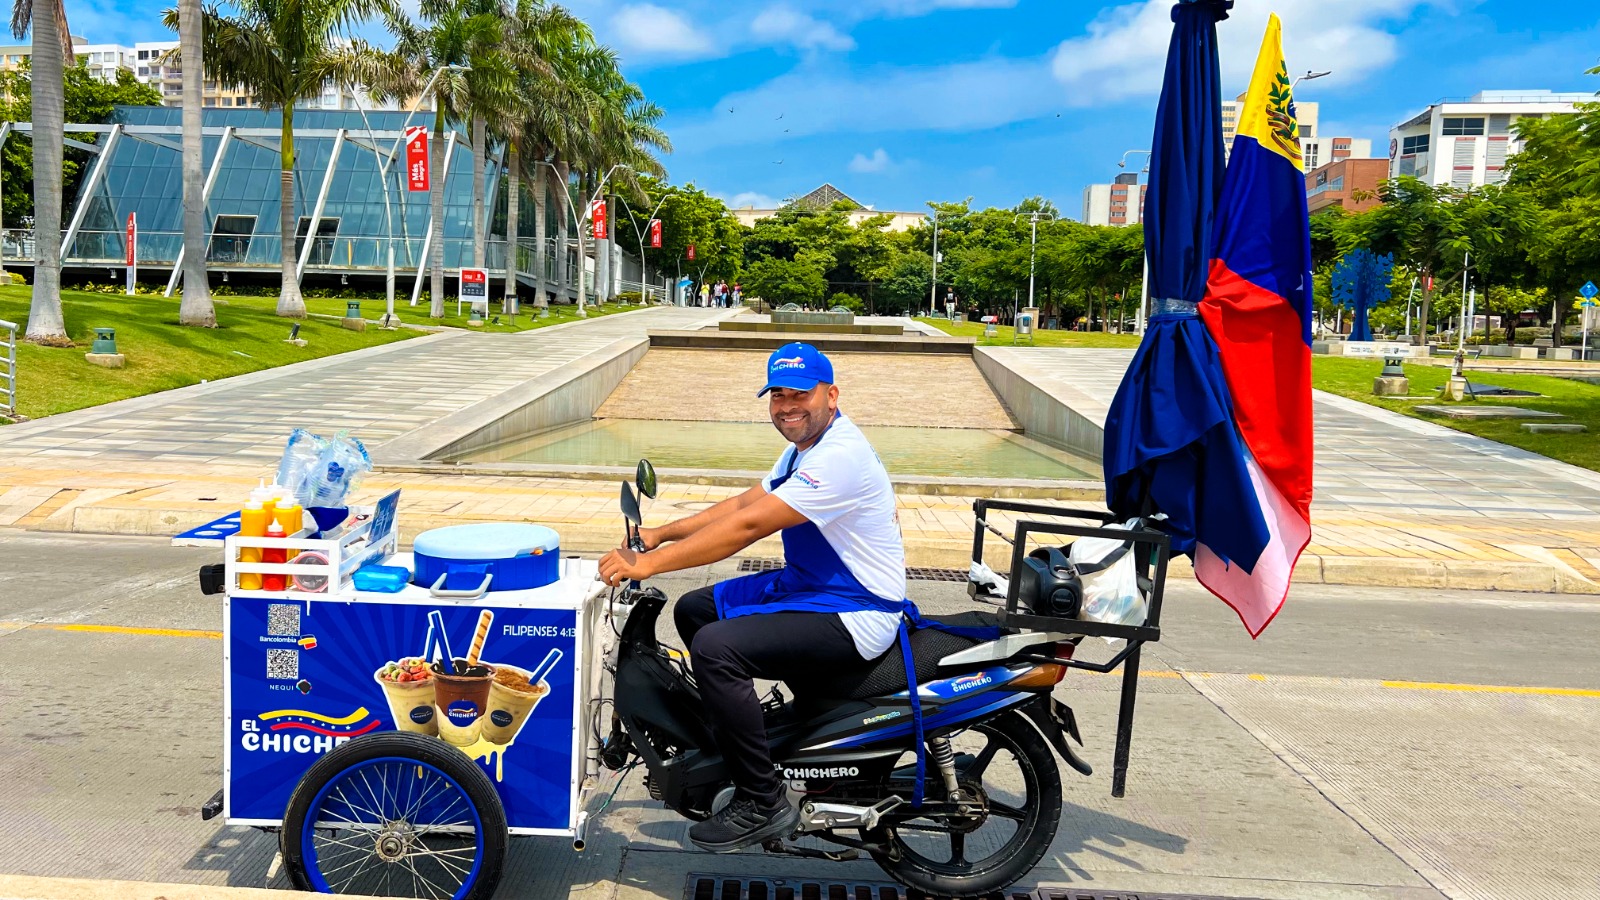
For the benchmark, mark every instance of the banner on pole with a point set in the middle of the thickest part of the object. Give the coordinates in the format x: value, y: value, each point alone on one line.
x: 132, y: 243
x: 691, y: 251
x: 417, y: 158
x: 655, y: 232
x: 598, y: 214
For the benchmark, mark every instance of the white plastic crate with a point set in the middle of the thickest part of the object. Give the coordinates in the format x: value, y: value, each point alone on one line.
x: 344, y: 554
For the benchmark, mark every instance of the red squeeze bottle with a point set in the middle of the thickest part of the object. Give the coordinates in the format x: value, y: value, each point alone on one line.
x: 274, y: 581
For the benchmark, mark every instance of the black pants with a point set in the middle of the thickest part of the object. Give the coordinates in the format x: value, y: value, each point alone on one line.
x: 727, y: 654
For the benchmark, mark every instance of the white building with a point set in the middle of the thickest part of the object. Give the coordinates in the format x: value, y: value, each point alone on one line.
x: 105, y: 60
x: 1118, y: 203
x: 166, y: 75
x: 1465, y: 143
x: 1315, y: 149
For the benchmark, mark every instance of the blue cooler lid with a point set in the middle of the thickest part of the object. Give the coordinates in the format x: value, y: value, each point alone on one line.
x: 489, y: 540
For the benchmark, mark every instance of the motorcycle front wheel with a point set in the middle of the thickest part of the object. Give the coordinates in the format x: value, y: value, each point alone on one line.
x: 1007, y: 766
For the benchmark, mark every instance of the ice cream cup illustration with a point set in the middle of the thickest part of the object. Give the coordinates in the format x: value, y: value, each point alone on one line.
x: 512, y: 698
x: 460, y: 700
x: 408, y: 686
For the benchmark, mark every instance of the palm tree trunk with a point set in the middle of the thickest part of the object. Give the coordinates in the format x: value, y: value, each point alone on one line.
x: 513, y: 208
x: 541, y: 231
x: 1421, y: 339
x: 289, y: 301
x: 479, y: 140
x: 45, y: 323
x: 195, y: 307
x: 564, y: 220
x: 436, y: 218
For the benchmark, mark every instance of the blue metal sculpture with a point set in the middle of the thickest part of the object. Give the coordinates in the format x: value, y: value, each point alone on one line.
x: 1361, y: 282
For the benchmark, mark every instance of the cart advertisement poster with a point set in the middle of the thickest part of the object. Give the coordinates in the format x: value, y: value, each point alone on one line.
x: 305, y: 678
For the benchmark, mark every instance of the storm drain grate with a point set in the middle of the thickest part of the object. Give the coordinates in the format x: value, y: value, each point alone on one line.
x: 915, y: 573
x: 736, y: 887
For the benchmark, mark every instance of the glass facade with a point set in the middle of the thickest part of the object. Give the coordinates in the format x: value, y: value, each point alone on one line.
x: 143, y: 176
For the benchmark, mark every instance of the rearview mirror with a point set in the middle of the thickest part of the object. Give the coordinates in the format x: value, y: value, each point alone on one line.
x: 630, y: 505
x: 645, y: 477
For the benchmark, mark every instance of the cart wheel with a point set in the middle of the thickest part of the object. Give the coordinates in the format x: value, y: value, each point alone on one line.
x: 395, y: 815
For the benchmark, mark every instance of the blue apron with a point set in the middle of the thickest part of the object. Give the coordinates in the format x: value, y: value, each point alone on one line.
x: 815, y: 579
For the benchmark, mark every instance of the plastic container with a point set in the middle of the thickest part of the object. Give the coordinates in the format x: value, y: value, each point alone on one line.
x: 382, y: 579
x: 274, y: 581
x: 518, y: 556
x: 253, y: 521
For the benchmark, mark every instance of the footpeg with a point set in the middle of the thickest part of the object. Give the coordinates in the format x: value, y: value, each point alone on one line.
x: 779, y: 848
x: 817, y: 815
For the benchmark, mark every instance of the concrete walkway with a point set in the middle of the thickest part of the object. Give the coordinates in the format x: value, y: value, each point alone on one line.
x: 376, y: 394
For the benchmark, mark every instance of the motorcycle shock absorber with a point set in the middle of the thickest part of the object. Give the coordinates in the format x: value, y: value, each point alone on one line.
x: 944, y: 757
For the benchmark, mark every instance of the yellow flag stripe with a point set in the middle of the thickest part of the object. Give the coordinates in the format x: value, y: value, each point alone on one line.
x: 1267, y: 115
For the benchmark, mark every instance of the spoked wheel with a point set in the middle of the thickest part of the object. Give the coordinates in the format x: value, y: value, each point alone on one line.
x: 1009, y: 780
x: 395, y: 815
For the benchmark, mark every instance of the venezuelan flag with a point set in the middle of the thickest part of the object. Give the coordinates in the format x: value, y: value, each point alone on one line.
x: 1257, y: 309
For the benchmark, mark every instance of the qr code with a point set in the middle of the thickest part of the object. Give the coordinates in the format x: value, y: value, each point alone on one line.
x: 283, y: 619
x: 283, y: 664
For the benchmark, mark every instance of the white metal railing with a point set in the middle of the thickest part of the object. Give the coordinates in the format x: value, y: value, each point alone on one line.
x: 8, y: 378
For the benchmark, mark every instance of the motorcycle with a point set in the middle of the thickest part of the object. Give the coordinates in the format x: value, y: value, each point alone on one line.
x: 846, y: 746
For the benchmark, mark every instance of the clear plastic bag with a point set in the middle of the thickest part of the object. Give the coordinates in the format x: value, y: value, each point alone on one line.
x: 1110, y: 581
x: 321, y: 472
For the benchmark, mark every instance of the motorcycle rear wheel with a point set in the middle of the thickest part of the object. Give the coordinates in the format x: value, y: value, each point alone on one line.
x: 1028, y: 795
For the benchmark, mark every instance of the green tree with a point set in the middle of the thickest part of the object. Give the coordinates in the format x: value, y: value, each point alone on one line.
x: 779, y: 281
x: 282, y: 52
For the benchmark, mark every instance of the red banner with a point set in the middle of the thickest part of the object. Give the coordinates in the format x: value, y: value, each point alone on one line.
x: 598, y: 213
x: 691, y: 251
x: 133, y: 240
x: 417, y: 158
x: 655, y: 232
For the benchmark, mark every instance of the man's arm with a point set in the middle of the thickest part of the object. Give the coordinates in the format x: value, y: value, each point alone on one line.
x: 689, y: 525
x: 712, y: 542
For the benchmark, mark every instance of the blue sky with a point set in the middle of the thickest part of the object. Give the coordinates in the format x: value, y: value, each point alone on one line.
x: 897, y: 102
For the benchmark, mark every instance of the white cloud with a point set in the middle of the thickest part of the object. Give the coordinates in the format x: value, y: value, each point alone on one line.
x: 784, y: 25
x: 1124, y: 52
x: 878, y: 162
x: 753, y: 199
x: 650, y: 29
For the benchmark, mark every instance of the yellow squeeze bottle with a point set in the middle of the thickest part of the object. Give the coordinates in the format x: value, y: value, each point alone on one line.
x: 252, y: 523
x: 290, y: 515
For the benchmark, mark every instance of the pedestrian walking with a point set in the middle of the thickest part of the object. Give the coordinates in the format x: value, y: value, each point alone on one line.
x: 738, y: 294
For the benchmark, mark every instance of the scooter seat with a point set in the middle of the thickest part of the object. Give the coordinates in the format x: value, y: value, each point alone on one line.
x: 887, y: 674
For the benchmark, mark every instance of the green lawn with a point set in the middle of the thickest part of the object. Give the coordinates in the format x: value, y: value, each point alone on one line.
x: 1578, y: 401
x: 1003, y: 337
x: 160, y: 354
x: 372, y: 310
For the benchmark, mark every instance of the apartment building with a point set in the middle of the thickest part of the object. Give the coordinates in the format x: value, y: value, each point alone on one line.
x: 1351, y: 184
x: 1316, y: 149
x: 1118, y: 203
x: 1466, y: 143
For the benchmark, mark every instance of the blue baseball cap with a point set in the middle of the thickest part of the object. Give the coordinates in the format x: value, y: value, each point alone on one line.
x: 797, y: 366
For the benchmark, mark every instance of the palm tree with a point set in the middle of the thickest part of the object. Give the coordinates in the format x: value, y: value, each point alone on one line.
x: 541, y: 42
x: 195, y: 308
x: 468, y: 34
x: 283, y: 51
x: 52, y: 48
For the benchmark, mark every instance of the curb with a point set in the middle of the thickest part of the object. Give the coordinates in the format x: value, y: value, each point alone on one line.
x: 28, y: 887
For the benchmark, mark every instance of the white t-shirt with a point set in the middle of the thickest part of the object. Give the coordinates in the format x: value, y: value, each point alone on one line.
x: 841, y: 486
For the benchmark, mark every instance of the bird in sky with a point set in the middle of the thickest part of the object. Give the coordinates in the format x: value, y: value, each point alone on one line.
x: 780, y: 115
x: 730, y: 109
x: 778, y: 162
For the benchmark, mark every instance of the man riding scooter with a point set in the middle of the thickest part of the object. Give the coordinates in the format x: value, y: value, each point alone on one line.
x: 836, y: 604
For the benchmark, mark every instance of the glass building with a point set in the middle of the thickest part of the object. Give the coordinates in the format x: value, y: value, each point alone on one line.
x: 141, y: 174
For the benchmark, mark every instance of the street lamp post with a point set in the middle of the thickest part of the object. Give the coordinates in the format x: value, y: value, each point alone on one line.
x: 933, y: 288
x: 1033, y: 245
x: 1308, y: 76
x: 577, y: 222
x: 383, y: 175
x: 644, y: 269
x: 1144, y: 281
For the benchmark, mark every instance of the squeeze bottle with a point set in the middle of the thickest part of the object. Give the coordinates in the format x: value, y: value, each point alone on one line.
x: 252, y: 523
x: 274, y: 581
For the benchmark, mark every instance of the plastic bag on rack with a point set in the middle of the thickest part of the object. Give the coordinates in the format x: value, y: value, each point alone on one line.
x: 320, y: 472
x: 299, y: 455
x: 1110, y: 581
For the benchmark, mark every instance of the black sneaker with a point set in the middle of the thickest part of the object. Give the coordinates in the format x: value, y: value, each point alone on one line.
x: 743, y: 823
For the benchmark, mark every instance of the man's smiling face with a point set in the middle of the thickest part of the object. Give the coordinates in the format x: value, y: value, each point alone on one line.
x: 802, y: 416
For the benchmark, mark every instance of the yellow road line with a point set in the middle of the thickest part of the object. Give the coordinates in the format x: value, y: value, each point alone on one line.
x: 1491, y: 689
x: 113, y: 629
